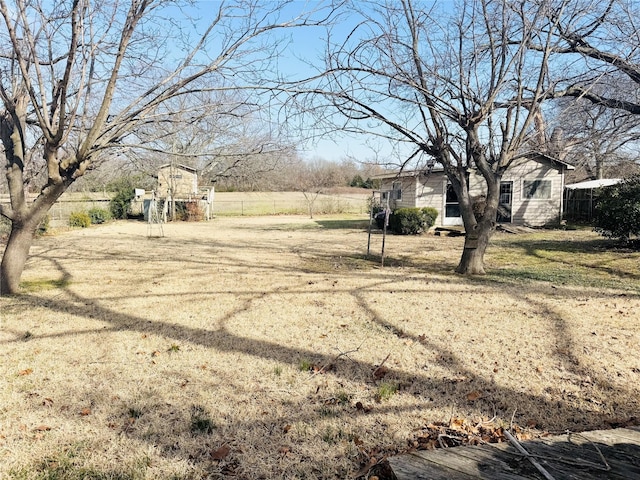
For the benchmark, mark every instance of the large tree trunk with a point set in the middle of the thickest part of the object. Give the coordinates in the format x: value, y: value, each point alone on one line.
x: 479, y: 220
x: 23, y: 231
x: 475, y: 246
x: 14, y: 258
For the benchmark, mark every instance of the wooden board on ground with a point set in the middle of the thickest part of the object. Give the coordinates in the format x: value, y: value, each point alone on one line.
x: 600, y: 454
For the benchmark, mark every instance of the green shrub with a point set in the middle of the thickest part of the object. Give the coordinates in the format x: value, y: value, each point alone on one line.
x: 79, y: 219
x: 374, y: 206
x: 412, y: 221
x: 432, y: 214
x: 617, y: 212
x: 180, y: 211
x: 99, y: 215
x: 43, y: 226
x: 120, y: 204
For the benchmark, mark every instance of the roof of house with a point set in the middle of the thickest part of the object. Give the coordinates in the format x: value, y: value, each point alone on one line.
x: 406, y: 173
x: 180, y: 166
x: 603, y: 182
x: 550, y: 159
x: 439, y: 168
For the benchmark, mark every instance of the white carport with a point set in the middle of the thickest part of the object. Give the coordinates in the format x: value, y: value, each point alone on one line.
x: 579, y: 197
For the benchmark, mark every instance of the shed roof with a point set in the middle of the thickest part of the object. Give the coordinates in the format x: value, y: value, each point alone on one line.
x: 180, y: 166
x: 603, y: 182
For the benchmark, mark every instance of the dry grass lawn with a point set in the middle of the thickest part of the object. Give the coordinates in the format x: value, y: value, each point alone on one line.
x: 246, y: 347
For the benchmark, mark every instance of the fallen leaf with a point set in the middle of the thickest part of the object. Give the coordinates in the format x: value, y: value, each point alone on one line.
x: 85, y: 411
x: 380, y: 372
x: 362, y: 408
x: 456, y: 423
x: 220, y: 453
x: 473, y: 396
x: 27, y: 371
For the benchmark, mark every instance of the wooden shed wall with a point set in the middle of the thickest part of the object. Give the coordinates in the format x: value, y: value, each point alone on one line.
x: 185, y: 181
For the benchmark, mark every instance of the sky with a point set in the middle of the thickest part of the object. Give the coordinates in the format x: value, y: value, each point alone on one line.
x: 306, y: 46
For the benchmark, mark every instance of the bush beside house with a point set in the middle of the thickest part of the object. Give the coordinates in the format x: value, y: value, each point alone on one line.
x: 617, y: 213
x: 409, y: 221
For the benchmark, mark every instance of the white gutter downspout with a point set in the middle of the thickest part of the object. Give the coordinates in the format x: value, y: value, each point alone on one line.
x: 562, y: 196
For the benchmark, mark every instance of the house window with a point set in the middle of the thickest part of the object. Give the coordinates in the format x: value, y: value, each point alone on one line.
x: 536, y: 189
x: 452, y: 206
x: 397, y: 191
x: 505, y: 202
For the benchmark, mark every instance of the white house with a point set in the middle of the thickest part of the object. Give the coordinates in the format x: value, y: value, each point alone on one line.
x: 531, y: 191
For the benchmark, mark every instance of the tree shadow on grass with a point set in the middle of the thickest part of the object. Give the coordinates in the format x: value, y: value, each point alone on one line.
x: 415, y: 384
x: 568, y: 265
x: 344, y: 224
x: 424, y: 389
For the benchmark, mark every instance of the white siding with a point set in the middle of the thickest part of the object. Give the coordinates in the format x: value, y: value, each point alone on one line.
x: 533, y: 212
x: 429, y: 191
x: 408, y: 188
x: 431, y: 194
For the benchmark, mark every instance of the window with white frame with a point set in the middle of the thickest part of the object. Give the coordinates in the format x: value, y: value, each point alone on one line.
x: 397, y: 191
x: 536, y: 189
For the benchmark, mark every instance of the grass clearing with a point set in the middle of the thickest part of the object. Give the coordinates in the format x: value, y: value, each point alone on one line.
x: 573, y: 258
x: 252, y: 347
x: 43, y: 284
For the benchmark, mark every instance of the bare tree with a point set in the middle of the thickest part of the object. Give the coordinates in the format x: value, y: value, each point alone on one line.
x: 594, y: 138
x: 79, y: 78
x: 226, y: 136
x: 600, y: 46
x: 599, y: 67
x: 444, y: 83
x: 314, y: 177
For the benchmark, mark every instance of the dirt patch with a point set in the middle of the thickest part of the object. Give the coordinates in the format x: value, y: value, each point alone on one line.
x: 272, y: 347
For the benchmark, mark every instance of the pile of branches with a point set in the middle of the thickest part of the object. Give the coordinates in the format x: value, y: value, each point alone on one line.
x: 459, y: 431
